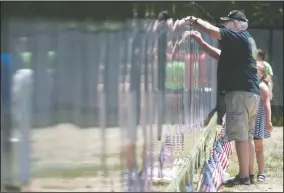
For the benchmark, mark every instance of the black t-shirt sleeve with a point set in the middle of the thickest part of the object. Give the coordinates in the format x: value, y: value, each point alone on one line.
x: 229, y: 36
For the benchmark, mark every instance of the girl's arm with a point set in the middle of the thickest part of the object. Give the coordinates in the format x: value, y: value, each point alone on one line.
x: 270, y: 82
x: 265, y: 97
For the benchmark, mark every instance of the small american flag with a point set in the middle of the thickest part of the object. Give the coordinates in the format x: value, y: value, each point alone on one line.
x: 207, y: 184
x: 174, y: 144
x: 211, y: 151
x: 213, y: 166
x: 221, y: 155
x: 168, y: 147
x: 217, y: 176
x: 227, y: 146
x: 165, y: 151
x: 182, y: 141
x: 219, y: 170
x: 190, y: 186
x: 178, y: 142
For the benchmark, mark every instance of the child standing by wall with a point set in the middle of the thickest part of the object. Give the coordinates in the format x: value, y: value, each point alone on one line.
x: 263, y: 125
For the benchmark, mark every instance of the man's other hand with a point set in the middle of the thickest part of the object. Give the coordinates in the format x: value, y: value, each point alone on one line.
x: 192, y: 35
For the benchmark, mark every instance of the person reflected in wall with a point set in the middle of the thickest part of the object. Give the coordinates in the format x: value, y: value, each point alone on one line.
x: 174, y: 70
x: 6, y: 124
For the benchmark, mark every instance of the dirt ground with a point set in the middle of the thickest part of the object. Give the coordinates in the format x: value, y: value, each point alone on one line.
x: 65, y: 158
x: 273, y: 148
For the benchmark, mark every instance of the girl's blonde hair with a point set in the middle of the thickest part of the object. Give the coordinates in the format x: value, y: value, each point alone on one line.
x: 265, y: 78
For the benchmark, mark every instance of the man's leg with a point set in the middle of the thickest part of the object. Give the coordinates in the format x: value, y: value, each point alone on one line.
x: 238, y: 114
x: 251, y: 160
x: 243, y: 153
x: 253, y: 112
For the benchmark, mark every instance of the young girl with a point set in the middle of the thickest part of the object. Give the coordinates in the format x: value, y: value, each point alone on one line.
x: 263, y: 125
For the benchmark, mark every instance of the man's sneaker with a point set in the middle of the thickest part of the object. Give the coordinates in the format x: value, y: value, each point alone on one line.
x: 261, y: 177
x: 238, y: 181
x: 251, y: 177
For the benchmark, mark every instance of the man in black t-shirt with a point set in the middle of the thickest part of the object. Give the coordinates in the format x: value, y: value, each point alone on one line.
x: 237, y: 80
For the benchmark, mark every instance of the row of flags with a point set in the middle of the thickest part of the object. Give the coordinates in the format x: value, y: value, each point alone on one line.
x: 210, y: 180
x: 212, y: 176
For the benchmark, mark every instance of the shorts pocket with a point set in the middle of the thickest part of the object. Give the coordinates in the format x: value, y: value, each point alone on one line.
x: 235, y: 125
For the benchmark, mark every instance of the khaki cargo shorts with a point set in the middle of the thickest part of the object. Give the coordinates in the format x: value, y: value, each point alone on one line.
x: 241, y: 110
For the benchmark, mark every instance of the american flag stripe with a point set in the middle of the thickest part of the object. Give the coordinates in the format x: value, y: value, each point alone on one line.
x: 217, y: 175
x: 214, y: 175
x: 221, y: 155
x: 211, y: 151
x: 223, y: 160
x: 168, y: 143
x: 207, y: 183
x: 220, y: 174
x: 174, y: 144
x: 221, y: 150
x: 228, y: 148
x: 177, y: 142
x: 182, y: 141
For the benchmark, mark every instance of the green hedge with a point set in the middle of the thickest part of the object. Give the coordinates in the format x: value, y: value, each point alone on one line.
x: 277, y: 121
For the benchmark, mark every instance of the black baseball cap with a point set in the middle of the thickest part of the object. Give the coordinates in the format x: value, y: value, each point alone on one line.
x: 235, y: 15
x: 163, y: 16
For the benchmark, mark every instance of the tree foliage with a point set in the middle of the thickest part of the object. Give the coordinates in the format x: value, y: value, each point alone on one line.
x: 259, y: 13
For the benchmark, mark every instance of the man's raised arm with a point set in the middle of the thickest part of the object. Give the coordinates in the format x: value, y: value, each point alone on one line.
x: 205, y: 26
x: 210, y: 50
